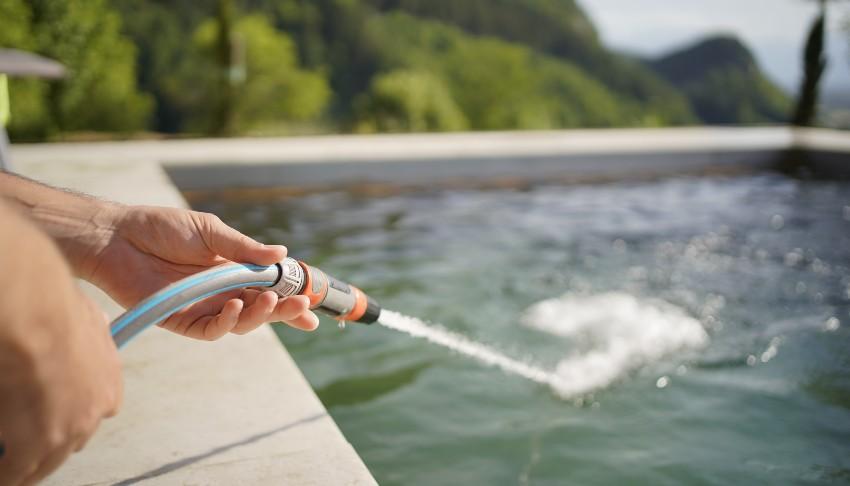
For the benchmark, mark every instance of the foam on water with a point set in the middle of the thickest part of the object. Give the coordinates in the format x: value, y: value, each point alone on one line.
x: 610, y: 334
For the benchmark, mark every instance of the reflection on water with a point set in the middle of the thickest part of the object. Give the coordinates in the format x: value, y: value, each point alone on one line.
x: 754, y: 270
x: 357, y: 390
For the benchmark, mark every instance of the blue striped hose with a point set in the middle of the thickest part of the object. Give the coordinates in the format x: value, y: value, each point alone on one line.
x: 161, y: 305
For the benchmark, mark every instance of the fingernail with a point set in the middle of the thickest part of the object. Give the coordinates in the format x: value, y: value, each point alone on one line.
x: 279, y: 248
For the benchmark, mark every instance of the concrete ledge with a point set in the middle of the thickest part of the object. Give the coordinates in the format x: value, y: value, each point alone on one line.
x: 469, y: 159
x: 327, y: 161
x: 465, y: 172
x: 237, y: 411
x: 369, y: 148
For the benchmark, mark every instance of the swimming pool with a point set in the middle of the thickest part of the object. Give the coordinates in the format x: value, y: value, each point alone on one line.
x: 704, y: 321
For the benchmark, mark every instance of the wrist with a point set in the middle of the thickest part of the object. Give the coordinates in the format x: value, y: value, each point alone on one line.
x: 82, y: 228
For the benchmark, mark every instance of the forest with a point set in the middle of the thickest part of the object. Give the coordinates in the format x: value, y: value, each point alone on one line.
x: 278, y: 67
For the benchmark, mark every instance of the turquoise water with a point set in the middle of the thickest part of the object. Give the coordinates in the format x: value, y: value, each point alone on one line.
x: 702, y: 326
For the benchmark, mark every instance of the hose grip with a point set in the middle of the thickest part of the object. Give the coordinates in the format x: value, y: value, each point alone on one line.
x: 291, y: 278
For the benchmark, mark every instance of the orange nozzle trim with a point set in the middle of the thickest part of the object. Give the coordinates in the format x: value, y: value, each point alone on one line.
x: 360, y: 304
x: 315, y: 298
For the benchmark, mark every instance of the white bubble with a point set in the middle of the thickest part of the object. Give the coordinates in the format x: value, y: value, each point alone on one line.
x: 832, y: 324
x: 637, y: 273
x: 777, y: 222
x: 619, y: 245
x: 681, y: 370
x: 793, y: 257
x: 751, y: 360
x: 662, y: 382
x: 772, y: 350
x: 818, y: 266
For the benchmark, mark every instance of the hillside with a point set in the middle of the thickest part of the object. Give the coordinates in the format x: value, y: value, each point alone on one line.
x: 363, y: 65
x: 493, y: 84
x: 724, y: 83
x: 559, y: 28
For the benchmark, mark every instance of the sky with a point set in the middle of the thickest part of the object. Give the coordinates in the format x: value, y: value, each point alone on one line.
x: 774, y: 29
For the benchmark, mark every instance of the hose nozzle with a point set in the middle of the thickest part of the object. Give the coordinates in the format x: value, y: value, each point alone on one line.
x: 335, y: 298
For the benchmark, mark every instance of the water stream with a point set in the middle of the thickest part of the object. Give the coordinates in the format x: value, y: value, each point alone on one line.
x: 463, y: 345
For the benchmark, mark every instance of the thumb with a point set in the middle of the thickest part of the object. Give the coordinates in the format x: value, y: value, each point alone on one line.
x: 228, y: 243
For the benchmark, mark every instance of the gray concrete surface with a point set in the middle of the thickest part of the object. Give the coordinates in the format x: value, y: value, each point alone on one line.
x: 414, y: 147
x: 236, y: 411
x: 468, y: 159
x: 326, y: 161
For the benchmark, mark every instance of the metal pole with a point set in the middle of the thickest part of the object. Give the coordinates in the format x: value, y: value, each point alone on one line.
x: 5, y: 161
x: 5, y: 113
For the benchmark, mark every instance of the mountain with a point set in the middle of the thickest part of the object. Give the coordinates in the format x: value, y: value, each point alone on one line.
x: 723, y: 82
x: 493, y: 83
x: 560, y: 29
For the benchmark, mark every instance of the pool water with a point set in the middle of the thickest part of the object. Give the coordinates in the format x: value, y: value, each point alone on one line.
x: 700, y: 326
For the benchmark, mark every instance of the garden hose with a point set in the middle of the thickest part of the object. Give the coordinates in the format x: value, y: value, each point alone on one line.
x: 328, y: 295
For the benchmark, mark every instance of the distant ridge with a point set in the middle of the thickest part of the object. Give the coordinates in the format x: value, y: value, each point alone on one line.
x: 723, y: 82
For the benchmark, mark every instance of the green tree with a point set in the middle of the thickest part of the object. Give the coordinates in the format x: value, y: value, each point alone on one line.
x: 99, y: 92
x: 275, y: 89
x: 162, y: 32
x: 408, y: 101
x: 16, y: 16
x: 29, y: 97
x: 814, y: 65
x: 497, y: 84
x: 561, y: 29
x: 303, y: 19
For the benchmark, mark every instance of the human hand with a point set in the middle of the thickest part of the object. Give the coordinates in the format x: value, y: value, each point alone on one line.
x: 151, y: 247
x: 59, y: 368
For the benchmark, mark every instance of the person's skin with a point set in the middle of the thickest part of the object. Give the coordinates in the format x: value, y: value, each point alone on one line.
x: 132, y: 251
x: 59, y: 370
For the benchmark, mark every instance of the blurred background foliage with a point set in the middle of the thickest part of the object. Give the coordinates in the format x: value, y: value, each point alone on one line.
x: 296, y: 66
x: 274, y: 88
x: 101, y: 93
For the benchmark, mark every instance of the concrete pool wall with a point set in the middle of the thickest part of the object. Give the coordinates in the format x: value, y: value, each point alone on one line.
x: 239, y: 411
x: 575, y: 155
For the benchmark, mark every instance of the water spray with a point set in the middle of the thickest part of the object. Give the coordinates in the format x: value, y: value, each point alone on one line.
x: 328, y: 295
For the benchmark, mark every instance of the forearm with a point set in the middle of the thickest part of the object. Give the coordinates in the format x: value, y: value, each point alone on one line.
x: 26, y: 256
x: 59, y: 369
x: 80, y: 225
